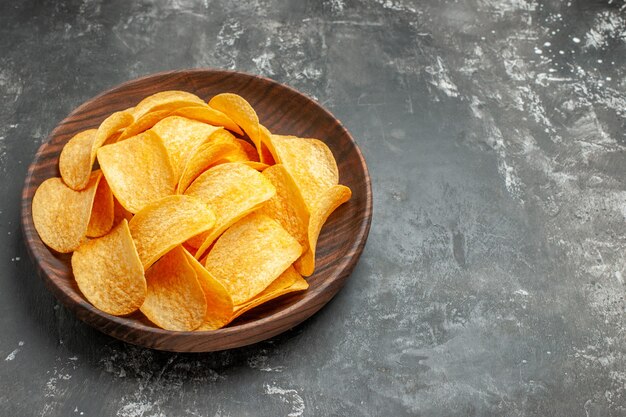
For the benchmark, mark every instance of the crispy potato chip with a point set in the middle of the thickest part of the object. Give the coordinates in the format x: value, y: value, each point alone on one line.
x: 287, y: 207
x: 166, y: 223
x: 61, y: 215
x: 250, y: 255
x: 156, y: 101
x: 221, y: 147
x: 75, y: 159
x: 310, y: 162
x: 250, y: 151
x: 232, y: 191
x: 322, y: 208
x: 109, y: 273
x: 137, y: 170
x: 206, y: 155
x: 219, y: 302
x: 144, y: 123
x: 102, y: 212
x: 181, y: 136
x: 242, y: 113
x: 288, y: 282
x: 175, y: 300
x: 208, y: 115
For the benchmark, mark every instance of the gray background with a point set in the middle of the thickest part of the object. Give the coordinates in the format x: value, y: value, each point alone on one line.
x: 493, y: 279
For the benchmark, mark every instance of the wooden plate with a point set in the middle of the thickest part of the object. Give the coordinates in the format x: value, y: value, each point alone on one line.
x: 283, y: 110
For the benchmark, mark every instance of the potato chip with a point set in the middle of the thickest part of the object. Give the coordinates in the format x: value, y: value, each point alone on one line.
x: 259, y: 166
x: 181, y: 136
x: 221, y: 147
x: 138, y: 170
x: 208, y: 114
x: 75, y: 159
x: 288, y: 282
x: 109, y: 273
x: 204, y: 157
x: 242, y: 113
x: 287, y: 207
x: 175, y: 300
x: 144, y: 123
x: 250, y: 151
x: 76, y: 164
x: 119, y: 212
x: 61, y: 215
x: 166, y: 223
x: 322, y: 208
x: 101, y: 220
x: 158, y: 100
x: 232, y: 191
x: 219, y: 302
x: 310, y: 162
x: 250, y: 255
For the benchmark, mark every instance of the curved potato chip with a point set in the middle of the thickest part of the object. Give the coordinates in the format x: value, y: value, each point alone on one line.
x: 79, y: 154
x: 250, y: 255
x: 175, y: 300
x: 166, y: 223
x: 287, y: 207
x: 110, y: 125
x: 181, y: 136
x: 242, y: 113
x: 149, y: 103
x: 288, y: 282
x: 310, y: 162
x: 102, y: 212
x: 250, y: 151
x: 138, y: 170
x: 219, y: 302
x: 75, y: 159
x: 61, y: 215
x: 109, y: 273
x: 232, y: 190
x: 322, y: 208
x: 204, y: 157
x: 208, y: 115
x: 144, y: 123
x: 221, y: 147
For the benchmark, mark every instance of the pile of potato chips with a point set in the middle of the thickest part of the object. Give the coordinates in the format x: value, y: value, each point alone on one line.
x: 185, y: 219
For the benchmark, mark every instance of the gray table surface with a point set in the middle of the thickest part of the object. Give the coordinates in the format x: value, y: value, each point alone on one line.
x: 492, y: 283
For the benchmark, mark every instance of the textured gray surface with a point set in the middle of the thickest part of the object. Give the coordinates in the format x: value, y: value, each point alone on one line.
x: 493, y: 278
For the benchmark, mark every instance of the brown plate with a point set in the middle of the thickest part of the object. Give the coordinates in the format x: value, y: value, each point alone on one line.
x: 283, y: 110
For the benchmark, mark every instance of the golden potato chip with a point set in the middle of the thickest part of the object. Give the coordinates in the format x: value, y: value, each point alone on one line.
x: 242, y: 113
x: 144, y: 123
x: 138, y: 170
x: 75, y: 159
x: 208, y: 114
x: 250, y: 255
x: 166, y: 223
x: 61, y: 215
x: 322, y: 208
x: 109, y: 273
x: 76, y: 164
x: 219, y: 302
x: 158, y: 100
x: 288, y: 282
x: 287, y: 207
x: 175, y: 300
x: 259, y: 166
x: 232, y: 190
x: 102, y: 212
x: 250, y: 151
x: 181, y: 136
x: 204, y: 157
x: 310, y: 162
